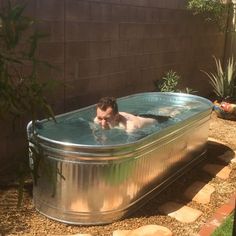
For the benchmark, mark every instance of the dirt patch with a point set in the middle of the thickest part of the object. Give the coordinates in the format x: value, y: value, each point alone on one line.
x: 27, y: 221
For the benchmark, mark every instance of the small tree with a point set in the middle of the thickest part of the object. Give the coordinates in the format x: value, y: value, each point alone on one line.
x: 22, y: 93
x: 213, y: 11
x: 21, y: 90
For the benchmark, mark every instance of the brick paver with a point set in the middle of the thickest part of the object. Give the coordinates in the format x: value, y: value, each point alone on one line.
x: 218, y: 218
x: 146, y: 230
x: 199, y: 192
x: 180, y: 212
x: 219, y: 171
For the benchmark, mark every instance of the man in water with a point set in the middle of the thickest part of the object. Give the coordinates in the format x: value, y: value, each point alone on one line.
x: 109, y: 117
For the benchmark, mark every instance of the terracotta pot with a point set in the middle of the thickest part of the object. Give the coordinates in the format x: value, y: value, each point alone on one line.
x: 225, y: 110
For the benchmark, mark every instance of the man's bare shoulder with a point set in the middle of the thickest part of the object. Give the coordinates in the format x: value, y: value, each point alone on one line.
x: 127, y: 115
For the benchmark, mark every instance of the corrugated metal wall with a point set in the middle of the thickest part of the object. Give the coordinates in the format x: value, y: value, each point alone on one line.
x: 117, y: 47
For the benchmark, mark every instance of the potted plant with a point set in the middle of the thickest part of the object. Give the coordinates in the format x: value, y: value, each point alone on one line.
x: 223, y: 82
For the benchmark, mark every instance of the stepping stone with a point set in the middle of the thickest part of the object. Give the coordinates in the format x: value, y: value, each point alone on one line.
x: 199, y: 192
x: 228, y: 157
x: 219, y: 171
x: 121, y: 232
x: 233, y: 161
x: 146, y: 230
x: 180, y: 212
x: 81, y: 234
x: 216, y: 140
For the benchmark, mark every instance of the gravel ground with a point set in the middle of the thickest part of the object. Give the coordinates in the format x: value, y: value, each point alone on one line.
x: 27, y: 221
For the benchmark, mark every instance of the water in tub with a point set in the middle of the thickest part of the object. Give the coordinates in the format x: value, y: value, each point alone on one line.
x: 79, y: 128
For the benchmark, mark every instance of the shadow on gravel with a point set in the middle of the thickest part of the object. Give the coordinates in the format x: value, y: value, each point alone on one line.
x: 217, y: 153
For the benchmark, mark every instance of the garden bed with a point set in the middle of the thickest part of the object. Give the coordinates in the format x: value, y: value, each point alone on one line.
x: 27, y: 221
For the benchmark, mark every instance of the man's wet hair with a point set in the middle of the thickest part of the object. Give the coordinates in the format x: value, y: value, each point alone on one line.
x: 106, y: 102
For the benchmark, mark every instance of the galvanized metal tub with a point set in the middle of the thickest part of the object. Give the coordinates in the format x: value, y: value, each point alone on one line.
x: 98, y: 183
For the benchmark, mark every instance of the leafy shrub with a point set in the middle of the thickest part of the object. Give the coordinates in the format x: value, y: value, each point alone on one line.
x: 213, y: 10
x: 169, y: 83
x: 21, y: 90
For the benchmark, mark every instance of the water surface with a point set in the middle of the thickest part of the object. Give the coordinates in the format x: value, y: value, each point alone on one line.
x: 79, y: 128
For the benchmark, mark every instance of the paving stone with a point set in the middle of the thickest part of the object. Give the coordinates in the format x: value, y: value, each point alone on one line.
x: 199, y: 192
x: 216, y: 141
x: 228, y: 157
x: 121, y: 232
x: 69, y: 235
x: 82, y: 235
x: 219, y: 171
x: 233, y: 161
x: 180, y: 212
x: 146, y: 230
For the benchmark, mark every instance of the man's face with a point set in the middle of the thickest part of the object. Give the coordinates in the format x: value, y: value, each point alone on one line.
x: 107, y: 118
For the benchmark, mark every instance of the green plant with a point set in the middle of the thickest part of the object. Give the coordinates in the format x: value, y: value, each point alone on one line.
x: 168, y: 83
x: 188, y: 90
x: 22, y: 93
x: 212, y: 10
x: 226, y: 228
x: 21, y: 90
x: 223, y: 81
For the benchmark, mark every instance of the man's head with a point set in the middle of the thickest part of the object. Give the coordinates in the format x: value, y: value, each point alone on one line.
x: 107, y: 112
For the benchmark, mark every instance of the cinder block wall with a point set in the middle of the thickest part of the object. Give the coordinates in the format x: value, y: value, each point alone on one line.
x: 118, y: 47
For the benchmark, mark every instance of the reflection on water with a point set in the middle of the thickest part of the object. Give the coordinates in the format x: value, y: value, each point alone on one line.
x: 80, y: 129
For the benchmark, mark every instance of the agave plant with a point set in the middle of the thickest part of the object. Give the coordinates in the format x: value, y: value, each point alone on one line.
x: 223, y: 81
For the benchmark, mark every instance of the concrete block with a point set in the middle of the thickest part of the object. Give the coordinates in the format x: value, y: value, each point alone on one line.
x: 109, y: 65
x: 77, y: 50
x: 75, y: 31
x: 104, y: 31
x: 77, y: 10
x: 53, y: 52
x: 89, y: 67
x: 119, y: 47
x: 120, y: 13
x: 99, y: 49
x: 135, y: 46
x: 100, y: 12
x: 46, y: 10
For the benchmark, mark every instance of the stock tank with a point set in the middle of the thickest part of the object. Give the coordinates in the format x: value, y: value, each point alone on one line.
x: 86, y: 175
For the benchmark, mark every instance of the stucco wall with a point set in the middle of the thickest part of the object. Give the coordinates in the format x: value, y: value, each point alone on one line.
x: 117, y: 47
